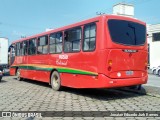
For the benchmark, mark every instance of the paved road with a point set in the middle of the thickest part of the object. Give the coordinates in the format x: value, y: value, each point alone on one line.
x: 153, y: 80
x: 36, y: 96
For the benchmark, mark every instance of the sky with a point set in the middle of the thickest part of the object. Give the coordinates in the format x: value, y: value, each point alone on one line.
x: 28, y: 17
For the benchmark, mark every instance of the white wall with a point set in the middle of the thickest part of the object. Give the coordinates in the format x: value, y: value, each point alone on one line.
x: 154, y: 54
x: 3, y: 51
x: 154, y: 45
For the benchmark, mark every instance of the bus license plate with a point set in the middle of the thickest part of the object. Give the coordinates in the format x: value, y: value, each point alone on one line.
x: 129, y: 72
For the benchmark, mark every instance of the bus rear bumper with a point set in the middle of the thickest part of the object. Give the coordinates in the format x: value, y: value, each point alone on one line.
x: 121, y: 82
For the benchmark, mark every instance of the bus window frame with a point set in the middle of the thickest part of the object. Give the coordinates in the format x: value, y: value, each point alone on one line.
x: 37, y: 42
x: 95, y: 23
x: 76, y: 27
x: 26, y: 47
x: 56, y: 43
x: 35, y: 38
x: 124, y: 43
x: 18, y: 49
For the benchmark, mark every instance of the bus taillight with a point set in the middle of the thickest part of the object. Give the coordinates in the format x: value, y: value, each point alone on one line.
x: 109, y: 68
x: 110, y: 62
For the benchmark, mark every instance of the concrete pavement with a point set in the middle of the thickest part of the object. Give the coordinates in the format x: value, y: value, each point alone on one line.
x: 30, y: 95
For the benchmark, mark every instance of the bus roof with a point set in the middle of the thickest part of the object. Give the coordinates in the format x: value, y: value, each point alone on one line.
x: 95, y: 19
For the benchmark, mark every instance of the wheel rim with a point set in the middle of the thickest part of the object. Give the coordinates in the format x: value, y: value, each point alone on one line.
x: 55, y: 81
x: 18, y: 74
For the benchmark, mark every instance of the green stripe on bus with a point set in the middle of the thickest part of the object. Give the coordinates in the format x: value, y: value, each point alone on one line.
x: 61, y: 70
x: 32, y: 68
x: 64, y: 70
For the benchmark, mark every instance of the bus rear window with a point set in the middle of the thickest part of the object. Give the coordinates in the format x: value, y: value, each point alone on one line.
x: 127, y: 32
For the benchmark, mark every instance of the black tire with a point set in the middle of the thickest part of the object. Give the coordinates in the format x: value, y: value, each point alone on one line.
x: 0, y: 79
x: 136, y: 87
x: 18, y: 75
x: 56, y: 81
x: 133, y: 87
x: 154, y: 72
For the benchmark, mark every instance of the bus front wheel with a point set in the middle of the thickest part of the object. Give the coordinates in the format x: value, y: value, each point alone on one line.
x: 18, y: 75
x: 56, y: 81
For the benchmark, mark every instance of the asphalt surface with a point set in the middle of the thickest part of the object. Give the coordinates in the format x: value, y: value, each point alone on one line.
x: 153, y: 80
x: 32, y: 96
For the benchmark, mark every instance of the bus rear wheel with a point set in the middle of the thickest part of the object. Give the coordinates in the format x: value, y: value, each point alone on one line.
x: 18, y: 75
x: 136, y: 87
x: 56, y: 81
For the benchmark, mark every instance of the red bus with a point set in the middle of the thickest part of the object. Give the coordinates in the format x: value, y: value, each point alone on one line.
x: 103, y: 52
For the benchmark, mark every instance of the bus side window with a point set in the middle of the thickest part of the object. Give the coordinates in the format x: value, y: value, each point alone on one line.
x: 72, y: 40
x: 18, y: 49
x: 25, y: 46
x: 67, y: 43
x: 21, y: 49
x: 56, y: 43
x: 32, y: 47
x: 89, y: 42
x: 42, y: 45
x: 59, y: 42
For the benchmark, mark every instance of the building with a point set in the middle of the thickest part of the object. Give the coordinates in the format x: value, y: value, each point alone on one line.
x: 123, y: 9
x: 3, y: 52
x: 153, y: 32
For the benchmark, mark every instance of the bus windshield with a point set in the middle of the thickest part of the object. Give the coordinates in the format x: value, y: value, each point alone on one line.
x: 127, y: 32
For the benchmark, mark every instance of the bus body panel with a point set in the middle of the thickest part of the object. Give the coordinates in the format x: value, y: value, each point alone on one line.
x: 112, y: 83
x: 89, y: 69
x: 100, y: 81
x: 124, y: 61
x: 78, y: 81
x: 12, y: 71
x: 36, y: 75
